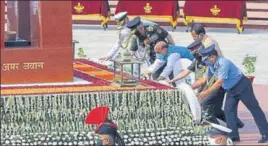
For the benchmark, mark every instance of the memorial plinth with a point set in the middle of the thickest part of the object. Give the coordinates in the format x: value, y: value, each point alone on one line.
x: 48, y: 56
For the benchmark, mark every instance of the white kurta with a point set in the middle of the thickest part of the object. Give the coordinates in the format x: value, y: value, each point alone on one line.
x: 175, y: 64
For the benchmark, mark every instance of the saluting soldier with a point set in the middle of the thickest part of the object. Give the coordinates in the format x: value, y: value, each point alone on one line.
x: 149, y: 35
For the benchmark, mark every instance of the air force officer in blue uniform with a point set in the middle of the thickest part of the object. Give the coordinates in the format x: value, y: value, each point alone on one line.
x: 238, y: 88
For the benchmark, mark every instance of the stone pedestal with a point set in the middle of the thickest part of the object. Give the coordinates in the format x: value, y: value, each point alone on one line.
x: 48, y: 27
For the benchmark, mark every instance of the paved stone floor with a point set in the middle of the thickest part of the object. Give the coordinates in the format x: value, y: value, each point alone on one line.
x: 96, y: 43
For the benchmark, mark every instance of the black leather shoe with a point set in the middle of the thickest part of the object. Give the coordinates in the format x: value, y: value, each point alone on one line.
x: 235, y: 139
x: 264, y: 139
x: 241, y: 125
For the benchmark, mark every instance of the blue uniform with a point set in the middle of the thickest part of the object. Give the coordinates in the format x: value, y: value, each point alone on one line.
x: 226, y: 70
x: 238, y: 88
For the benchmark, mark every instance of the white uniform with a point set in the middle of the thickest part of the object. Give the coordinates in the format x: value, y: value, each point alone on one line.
x: 174, y: 63
x: 177, y: 65
x: 122, y: 40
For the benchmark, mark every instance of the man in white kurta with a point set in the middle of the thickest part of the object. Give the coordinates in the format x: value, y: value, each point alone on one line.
x: 178, y: 58
x: 175, y: 56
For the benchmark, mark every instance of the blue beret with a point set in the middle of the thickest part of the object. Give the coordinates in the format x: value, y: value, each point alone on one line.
x: 134, y: 23
x: 107, y: 128
x: 207, y: 51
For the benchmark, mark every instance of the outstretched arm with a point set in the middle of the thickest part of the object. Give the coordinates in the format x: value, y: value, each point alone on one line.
x: 199, y: 82
x: 112, y: 52
x: 190, y: 68
x: 180, y: 76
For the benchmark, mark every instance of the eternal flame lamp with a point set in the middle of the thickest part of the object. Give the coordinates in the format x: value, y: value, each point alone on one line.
x: 124, y: 73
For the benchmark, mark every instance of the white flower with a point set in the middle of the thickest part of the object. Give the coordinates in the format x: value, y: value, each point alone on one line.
x: 151, y: 143
x: 90, y: 142
x: 125, y: 136
x: 86, y: 143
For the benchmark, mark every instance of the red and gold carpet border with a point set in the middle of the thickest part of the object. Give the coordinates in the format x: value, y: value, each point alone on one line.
x: 100, y: 76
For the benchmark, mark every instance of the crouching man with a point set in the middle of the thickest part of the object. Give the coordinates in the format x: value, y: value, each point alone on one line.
x: 238, y: 88
x: 176, y: 57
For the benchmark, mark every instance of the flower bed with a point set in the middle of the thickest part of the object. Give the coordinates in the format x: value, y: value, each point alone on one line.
x: 144, y: 117
x: 148, y: 114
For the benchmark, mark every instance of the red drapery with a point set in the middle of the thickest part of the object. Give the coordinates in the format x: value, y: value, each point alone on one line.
x: 149, y: 9
x: 219, y: 10
x: 92, y: 8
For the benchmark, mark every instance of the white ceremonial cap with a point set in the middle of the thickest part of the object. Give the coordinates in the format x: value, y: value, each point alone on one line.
x: 120, y: 16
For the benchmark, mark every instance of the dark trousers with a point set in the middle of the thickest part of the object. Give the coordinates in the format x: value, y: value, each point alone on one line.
x: 243, y: 91
x: 213, y: 105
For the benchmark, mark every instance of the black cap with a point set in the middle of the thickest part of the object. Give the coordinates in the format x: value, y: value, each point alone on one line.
x: 194, y: 45
x: 134, y: 23
x: 207, y: 51
x: 107, y: 128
